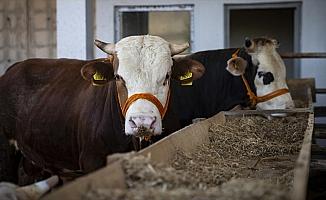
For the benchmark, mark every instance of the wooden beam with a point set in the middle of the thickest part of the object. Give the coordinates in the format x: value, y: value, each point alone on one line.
x: 320, y: 111
x: 320, y: 90
x: 267, y: 112
x: 288, y: 55
x: 301, y: 171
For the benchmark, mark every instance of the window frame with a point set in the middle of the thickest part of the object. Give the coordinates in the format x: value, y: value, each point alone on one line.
x: 119, y: 10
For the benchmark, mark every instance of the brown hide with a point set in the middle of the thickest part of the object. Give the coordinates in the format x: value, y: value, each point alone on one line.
x: 60, y: 120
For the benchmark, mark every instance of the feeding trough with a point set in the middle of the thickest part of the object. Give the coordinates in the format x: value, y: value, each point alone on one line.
x: 237, y: 153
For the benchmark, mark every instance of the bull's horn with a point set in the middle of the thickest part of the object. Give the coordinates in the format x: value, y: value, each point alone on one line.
x: 108, y: 48
x: 180, y: 57
x: 36, y: 190
x: 178, y: 48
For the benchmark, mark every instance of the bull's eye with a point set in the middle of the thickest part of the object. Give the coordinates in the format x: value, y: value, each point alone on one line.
x: 167, y: 77
x: 119, y: 78
x: 116, y: 76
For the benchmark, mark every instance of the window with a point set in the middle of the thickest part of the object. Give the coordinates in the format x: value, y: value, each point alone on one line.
x: 173, y: 23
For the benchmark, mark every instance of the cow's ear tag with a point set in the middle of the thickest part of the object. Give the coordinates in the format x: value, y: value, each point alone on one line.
x: 98, y: 77
x: 186, y: 79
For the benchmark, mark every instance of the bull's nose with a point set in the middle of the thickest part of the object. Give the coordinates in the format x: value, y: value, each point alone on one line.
x: 142, y: 121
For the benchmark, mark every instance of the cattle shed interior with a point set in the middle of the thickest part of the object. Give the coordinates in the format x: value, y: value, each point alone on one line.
x: 67, y: 29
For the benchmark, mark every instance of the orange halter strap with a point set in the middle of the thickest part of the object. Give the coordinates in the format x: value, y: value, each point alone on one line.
x: 162, y: 109
x: 252, y: 97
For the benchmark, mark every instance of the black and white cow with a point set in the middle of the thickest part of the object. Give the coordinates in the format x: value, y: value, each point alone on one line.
x: 222, y: 88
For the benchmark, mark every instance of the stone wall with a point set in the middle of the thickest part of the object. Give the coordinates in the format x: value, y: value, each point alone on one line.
x: 27, y: 30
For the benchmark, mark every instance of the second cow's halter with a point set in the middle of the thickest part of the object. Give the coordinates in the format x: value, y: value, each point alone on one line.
x: 149, y: 97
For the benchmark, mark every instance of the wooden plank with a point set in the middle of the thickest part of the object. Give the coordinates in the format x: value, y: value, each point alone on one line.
x: 185, y: 139
x: 320, y: 90
x: 268, y: 112
x: 298, y: 88
x: 301, y: 171
x: 320, y: 126
x: 320, y: 111
x: 288, y: 55
x: 111, y: 176
x: 320, y: 134
x: 317, y: 166
x: 318, y: 150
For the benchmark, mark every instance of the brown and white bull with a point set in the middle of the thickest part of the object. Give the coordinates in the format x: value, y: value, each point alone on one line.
x: 68, y: 115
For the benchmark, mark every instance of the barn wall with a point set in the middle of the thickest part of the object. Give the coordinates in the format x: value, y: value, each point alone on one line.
x: 71, y: 22
x: 27, y: 29
x: 42, y: 28
x: 207, y: 22
x: 314, y: 39
x: 13, y: 32
x: 209, y: 27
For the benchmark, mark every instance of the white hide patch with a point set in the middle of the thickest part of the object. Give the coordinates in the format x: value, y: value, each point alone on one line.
x: 144, y: 62
x: 270, y: 61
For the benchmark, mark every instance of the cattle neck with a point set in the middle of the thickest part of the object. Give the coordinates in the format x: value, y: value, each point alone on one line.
x: 254, y: 100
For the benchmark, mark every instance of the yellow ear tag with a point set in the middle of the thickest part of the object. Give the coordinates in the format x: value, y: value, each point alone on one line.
x: 98, y: 77
x: 188, y: 75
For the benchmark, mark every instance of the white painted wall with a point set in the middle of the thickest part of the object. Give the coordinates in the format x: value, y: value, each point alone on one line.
x: 209, y: 27
x: 314, y: 39
x: 71, y: 29
x: 206, y: 25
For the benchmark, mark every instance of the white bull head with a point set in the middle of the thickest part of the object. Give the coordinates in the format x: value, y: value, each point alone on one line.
x: 143, y: 66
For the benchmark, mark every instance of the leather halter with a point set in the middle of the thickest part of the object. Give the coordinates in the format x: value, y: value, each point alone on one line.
x: 149, y: 97
x: 254, y: 100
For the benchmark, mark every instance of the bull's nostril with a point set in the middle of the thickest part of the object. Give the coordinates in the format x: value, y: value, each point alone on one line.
x: 132, y: 123
x: 153, y: 122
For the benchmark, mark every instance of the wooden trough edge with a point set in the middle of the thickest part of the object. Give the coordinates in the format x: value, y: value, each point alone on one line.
x: 112, y: 176
x: 185, y: 140
x: 301, y: 171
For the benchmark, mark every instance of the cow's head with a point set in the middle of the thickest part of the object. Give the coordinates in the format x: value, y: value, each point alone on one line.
x: 271, y: 72
x: 142, y: 67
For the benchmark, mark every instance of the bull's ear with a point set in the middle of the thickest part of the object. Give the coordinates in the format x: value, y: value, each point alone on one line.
x: 98, y: 73
x: 187, y: 70
x: 236, y: 66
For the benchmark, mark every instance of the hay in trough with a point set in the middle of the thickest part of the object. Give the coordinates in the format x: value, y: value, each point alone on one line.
x: 246, y: 158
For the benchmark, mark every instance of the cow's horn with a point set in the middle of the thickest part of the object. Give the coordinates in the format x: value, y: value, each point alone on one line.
x: 178, y: 48
x: 106, y: 47
x: 36, y: 190
x: 180, y: 57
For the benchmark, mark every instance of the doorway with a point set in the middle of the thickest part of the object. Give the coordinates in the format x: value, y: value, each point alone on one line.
x: 279, y: 21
